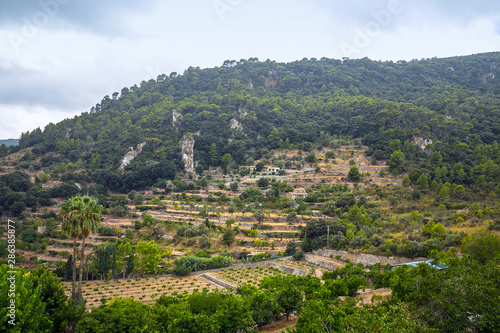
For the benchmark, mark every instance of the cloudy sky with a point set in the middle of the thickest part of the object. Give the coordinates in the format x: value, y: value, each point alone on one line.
x: 60, y: 57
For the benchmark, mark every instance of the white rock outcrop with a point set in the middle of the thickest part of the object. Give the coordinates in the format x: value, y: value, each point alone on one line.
x: 242, y: 111
x: 235, y: 125
x: 175, y: 116
x: 130, y: 155
x: 421, y: 143
x: 187, y: 150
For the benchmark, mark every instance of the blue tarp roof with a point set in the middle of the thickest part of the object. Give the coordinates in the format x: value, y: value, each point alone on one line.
x: 432, y: 263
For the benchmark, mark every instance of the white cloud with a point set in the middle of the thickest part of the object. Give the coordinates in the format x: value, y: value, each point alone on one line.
x: 428, y: 39
x: 91, y: 49
x: 19, y: 118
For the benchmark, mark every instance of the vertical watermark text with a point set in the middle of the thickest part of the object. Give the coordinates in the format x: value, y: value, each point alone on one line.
x: 11, y: 274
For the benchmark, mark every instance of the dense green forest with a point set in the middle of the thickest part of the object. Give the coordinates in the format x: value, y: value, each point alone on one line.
x: 390, y: 106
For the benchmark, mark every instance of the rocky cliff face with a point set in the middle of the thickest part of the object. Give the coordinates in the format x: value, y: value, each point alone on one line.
x: 176, y: 115
x: 130, y: 155
x: 187, y: 150
x: 235, y: 124
x: 421, y: 143
x: 243, y: 111
x: 487, y: 77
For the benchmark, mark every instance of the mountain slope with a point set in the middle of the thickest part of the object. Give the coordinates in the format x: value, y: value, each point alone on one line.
x: 235, y: 108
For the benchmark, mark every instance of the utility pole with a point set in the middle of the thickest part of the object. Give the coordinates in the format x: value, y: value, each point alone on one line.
x: 328, y: 237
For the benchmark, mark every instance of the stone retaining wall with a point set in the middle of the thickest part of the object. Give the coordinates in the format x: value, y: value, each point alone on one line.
x: 263, y: 264
x: 217, y: 281
x: 320, y: 262
x: 365, y: 259
x: 289, y: 270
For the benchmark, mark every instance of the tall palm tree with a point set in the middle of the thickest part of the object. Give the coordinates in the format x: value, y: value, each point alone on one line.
x: 80, y: 217
x: 70, y: 225
x: 89, y: 218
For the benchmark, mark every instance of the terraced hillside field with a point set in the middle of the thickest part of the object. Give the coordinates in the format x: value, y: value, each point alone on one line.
x: 240, y: 276
x: 146, y: 290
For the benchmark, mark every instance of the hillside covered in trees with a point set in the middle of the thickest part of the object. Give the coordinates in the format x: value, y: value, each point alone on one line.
x: 448, y: 106
x: 297, y: 185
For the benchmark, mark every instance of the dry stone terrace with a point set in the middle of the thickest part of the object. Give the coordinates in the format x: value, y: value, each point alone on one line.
x: 362, y: 258
x: 171, y: 208
x: 148, y: 289
x: 237, y: 277
x: 145, y: 289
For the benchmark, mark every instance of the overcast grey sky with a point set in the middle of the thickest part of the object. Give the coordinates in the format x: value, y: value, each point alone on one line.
x: 60, y: 57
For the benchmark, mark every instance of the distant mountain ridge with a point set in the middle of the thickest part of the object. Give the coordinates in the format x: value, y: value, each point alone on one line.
x: 9, y: 142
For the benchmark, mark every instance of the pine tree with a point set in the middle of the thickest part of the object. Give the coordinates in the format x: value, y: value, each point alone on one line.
x: 214, y: 156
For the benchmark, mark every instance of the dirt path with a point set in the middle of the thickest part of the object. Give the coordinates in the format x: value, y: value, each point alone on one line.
x: 318, y: 273
x: 367, y: 295
x: 279, y: 326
